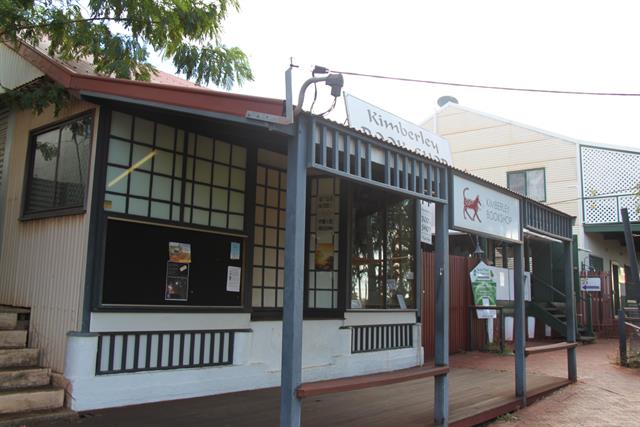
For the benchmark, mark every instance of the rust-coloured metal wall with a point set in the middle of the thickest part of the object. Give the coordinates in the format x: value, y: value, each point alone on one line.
x: 602, y: 314
x: 459, y: 300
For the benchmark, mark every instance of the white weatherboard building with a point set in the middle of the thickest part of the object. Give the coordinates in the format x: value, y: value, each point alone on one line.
x: 586, y: 180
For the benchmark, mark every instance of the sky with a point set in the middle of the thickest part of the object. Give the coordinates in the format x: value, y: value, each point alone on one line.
x: 561, y: 45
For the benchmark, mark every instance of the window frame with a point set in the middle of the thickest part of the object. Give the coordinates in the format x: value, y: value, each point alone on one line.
x: 526, y: 190
x: 30, y: 160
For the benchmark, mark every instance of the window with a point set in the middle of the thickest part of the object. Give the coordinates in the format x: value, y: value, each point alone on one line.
x: 383, y: 248
x: 324, y: 238
x: 167, y: 187
x: 269, y: 238
x: 58, y: 168
x: 268, y: 249
x: 530, y: 183
x: 161, y: 172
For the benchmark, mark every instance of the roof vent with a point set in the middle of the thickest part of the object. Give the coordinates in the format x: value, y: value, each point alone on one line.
x: 443, y: 100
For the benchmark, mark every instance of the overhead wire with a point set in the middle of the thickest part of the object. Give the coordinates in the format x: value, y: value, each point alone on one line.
x: 478, y: 86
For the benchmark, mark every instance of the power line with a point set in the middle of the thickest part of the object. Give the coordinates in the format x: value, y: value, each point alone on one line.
x: 476, y: 86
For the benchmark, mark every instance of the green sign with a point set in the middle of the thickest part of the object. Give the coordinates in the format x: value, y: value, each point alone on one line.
x: 483, y: 285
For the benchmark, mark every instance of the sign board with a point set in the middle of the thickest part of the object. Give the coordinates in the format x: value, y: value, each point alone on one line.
x: 590, y: 284
x: 482, y: 210
x: 427, y: 222
x: 381, y: 124
x: 483, y: 286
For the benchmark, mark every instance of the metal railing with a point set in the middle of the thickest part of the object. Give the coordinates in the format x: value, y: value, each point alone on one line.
x: 135, y: 351
x: 368, y: 338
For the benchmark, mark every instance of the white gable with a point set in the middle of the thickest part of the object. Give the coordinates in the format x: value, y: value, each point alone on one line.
x: 14, y: 70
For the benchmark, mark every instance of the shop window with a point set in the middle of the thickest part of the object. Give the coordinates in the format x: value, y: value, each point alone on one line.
x: 58, y: 168
x: 161, y: 172
x: 530, y: 183
x: 269, y: 238
x: 324, y: 237
x: 150, y: 270
x: 383, y: 252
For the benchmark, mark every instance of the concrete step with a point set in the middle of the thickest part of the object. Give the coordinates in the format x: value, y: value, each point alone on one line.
x: 31, y: 399
x: 40, y: 418
x: 14, y: 358
x: 11, y: 378
x: 8, y: 320
x: 13, y: 339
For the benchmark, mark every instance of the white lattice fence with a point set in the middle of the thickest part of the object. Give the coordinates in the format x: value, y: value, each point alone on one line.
x: 609, y: 179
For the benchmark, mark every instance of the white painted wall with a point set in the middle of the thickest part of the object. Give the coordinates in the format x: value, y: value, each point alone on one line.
x: 256, y: 364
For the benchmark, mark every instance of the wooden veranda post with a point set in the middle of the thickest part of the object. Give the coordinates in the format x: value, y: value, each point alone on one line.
x: 519, y: 322
x: 291, y: 377
x: 570, y: 310
x: 441, y: 395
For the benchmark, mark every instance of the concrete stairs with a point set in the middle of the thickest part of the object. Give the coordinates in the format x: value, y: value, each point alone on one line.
x: 26, y: 393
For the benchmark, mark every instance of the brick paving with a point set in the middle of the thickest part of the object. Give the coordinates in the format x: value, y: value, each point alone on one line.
x: 605, y: 394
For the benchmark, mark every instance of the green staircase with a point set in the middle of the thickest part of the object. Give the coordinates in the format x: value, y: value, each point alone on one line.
x: 554, y: 314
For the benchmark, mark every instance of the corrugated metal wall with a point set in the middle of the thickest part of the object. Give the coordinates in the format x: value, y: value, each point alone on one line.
x: 14, y: 70
x: 4, y: 127
x: 459, y: 300
x: 43, y: 261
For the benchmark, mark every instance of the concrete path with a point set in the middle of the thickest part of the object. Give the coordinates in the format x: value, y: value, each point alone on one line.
x: 605, y: 394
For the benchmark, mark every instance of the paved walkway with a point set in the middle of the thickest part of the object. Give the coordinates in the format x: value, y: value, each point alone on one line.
x: 605, y: 394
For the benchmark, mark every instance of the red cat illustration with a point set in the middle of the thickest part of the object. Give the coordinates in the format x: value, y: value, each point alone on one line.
x: 471, y: 205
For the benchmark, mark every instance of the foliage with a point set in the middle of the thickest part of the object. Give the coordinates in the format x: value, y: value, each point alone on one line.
x: 36, y: 96
x: 117, y: 35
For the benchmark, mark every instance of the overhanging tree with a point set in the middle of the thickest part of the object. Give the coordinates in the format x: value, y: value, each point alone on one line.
x: 117, y: 37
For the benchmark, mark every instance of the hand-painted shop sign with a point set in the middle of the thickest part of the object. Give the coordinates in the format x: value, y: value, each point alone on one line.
x: 381, y: 124
x: 482, y: 210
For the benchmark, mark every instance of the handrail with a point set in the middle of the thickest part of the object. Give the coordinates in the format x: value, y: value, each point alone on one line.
x: 550, y: 287
x: 636, y: 327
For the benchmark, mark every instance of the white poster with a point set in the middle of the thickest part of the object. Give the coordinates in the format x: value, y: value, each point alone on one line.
x: 381, y: 124
x: 427, y: 222
x: 481, y: 210
x: 233, y: 278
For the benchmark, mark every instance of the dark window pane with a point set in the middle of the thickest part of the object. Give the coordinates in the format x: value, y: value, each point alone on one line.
x: 535, y: 184
x: 383, y: 253
x: 43, y: 178
x: 60, y: 167
x: 516, y: 182
x: 75, y: 146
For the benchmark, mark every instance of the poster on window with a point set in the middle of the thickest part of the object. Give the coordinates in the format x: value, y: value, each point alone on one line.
x: 427, y: 221
x: 180, y: 252
x: 325, y: 225
x: 483, y: 286
x: 177, y: 284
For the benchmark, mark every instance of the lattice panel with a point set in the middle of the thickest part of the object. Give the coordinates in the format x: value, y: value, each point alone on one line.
x: 600, y: 210
x: 631, y: 203
x: 608, y: 172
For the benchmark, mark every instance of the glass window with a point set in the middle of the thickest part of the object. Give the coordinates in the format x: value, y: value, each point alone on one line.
x: 268, y: 267
x: 59, y: 167
x: 530, y: 183
x: 383, y: 248
x: 145, y: 176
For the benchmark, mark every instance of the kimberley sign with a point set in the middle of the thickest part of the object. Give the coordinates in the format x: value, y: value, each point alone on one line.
x: 482, y: 210
x: 381, y: 124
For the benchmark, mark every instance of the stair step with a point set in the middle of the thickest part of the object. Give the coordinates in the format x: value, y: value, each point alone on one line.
x: 587, y: 339
x: 32, y: 399
x: 37, y: 417
x: 13, y: 339
x: 12, y: 378
x: 18, y: 357
x: 8, y: 320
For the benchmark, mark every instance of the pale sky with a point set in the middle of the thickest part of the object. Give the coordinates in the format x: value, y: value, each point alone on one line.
x: 566, y: 45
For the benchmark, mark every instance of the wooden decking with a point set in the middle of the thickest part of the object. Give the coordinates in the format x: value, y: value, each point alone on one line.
x: 475, y: 396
